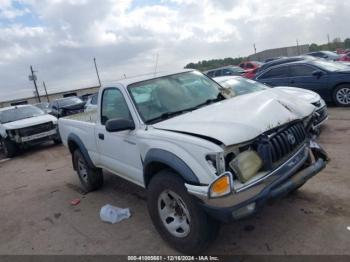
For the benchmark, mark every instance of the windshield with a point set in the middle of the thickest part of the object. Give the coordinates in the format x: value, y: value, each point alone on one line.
x: 330, y: 66
x: 242, y: 86
x: 42, y: 105
x: 164, y: 97
x: 235, y: 69
x: 19, y: 113
x: 69, y: 101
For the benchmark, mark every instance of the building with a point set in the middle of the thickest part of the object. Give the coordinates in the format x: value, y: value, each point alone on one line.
x: 277, y: 52
x: 53, y: 96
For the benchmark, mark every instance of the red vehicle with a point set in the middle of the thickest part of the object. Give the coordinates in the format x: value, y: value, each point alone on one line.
x: 342, y: 51
x: 345, y: 57
x: 250, y: 74
x: 250, y: 65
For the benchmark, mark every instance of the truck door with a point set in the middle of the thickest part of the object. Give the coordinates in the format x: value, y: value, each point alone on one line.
x: 118, y: 150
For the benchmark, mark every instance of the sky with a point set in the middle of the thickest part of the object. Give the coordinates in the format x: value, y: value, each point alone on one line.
x: 60, y: 38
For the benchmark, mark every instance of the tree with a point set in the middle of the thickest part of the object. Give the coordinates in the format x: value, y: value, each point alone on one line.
x: 347, y: 43
x: 314, y: 47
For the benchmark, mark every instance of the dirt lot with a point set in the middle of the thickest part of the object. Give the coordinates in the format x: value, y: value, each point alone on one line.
x: 36, y: 216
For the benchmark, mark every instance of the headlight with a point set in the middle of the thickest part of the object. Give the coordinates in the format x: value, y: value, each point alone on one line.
x: 216, y: 163
x: 246, y: 165
x: 221, y: 186
x: 306, y: 120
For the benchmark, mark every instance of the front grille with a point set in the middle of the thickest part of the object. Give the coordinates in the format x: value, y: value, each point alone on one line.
x: 37, y: 129
x: 285, y: 141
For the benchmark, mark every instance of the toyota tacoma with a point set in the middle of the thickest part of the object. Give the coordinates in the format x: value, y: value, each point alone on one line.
x: 202, y: 158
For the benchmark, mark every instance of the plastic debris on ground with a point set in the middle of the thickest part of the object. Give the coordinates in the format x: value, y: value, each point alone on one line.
x: 75, y: 202
x: 112, y: 214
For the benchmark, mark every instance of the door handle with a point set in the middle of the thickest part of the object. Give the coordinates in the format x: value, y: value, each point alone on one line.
x: 292, y: 81
x: 101, y: 136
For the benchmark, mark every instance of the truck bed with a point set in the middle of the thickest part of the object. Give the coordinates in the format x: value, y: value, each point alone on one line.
x: 90, y: 117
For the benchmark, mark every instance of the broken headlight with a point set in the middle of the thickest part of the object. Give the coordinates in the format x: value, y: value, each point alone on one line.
x: 246, y: 165
x: 216, y: 163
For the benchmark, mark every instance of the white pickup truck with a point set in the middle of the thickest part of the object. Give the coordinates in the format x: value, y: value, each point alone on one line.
x: 25, y: 125
x: 201, y: 157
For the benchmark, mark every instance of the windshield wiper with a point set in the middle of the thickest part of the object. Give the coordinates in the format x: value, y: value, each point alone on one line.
x: 167, y: 115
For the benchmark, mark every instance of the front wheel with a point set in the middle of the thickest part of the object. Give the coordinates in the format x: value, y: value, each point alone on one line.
x: 177, y: 216
x: 9, y: 148
x: 341, y: 95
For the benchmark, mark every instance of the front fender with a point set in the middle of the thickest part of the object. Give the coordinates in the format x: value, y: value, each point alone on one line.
x: 75, y: 142
x: 168, y: 159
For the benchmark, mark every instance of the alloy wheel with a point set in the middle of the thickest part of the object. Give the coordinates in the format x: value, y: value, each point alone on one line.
x: 343, y: 96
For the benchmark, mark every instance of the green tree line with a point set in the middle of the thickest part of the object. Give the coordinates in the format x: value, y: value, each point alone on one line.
x: 215, y: 63
x: 333, y: 46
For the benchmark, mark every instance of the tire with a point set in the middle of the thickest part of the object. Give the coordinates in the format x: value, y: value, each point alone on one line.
x: 57, y: 141
x: 194, y: 230
x: 9, y: 148
x: 341, y: 95
x: 90, y: 178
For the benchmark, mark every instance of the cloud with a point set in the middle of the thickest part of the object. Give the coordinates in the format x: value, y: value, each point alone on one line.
x: 61, y: 37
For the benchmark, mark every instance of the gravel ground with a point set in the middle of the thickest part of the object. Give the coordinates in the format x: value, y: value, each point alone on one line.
x: 36, y: 216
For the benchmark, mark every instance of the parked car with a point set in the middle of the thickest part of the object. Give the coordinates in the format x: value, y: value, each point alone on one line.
x: 330, y: 80
x: 274, y: 58
x: 91, y: 104
x: 23, y: 126
x: 66, y: 106
x: 283, y: 61
x: 344, y: 63
x: 225, y: 71
x: 328, y: 55
x: 44, y: 106
x: 202, y: 158
x: 250, y: 65
x: 345, y: 57
x: 241, y: 86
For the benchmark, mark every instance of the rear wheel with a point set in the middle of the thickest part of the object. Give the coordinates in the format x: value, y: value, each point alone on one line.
x: 90, y: 178
x: 10, y: 148
x: 341, y: 95
x: 177, y: 216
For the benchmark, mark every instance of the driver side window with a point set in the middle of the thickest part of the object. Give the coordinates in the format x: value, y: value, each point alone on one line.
x: 114, y: 106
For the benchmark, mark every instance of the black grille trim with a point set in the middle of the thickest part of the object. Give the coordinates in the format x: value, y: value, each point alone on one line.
x: 284, y: 142
x: 37, y: 129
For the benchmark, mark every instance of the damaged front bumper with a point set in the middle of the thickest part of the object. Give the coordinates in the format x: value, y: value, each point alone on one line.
x: 303, y: 165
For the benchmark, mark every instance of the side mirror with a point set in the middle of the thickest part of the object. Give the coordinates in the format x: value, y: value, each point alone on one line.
x: 116, y: 125
x: 317, y: 73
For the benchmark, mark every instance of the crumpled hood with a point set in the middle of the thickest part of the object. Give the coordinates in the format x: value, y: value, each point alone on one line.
x: 301, y: 93
x: 37, y: 120
x: 241, y: 118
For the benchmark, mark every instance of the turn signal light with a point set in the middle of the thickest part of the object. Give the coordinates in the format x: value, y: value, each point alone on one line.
x: 220, y: 187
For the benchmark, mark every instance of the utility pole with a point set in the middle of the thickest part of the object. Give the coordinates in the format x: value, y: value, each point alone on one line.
x: 47, y: 96
x: 329, y: 41
x: 298, y: 46
x: 156, y: 65
x: 254, y: 48
x: 32, y: 77
x: 98, y: 75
